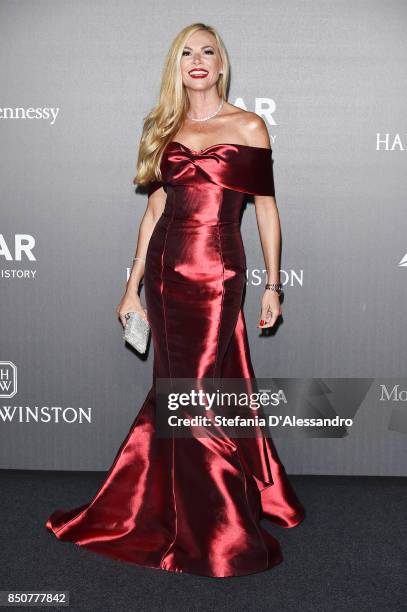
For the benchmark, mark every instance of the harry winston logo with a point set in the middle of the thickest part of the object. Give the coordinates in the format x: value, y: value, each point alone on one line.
x: 8, y: 379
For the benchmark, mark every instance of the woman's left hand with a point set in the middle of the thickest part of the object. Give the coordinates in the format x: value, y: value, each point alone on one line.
x: 270, y: 309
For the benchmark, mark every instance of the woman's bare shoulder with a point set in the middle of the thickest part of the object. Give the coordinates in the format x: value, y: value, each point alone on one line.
x: 249, y: 127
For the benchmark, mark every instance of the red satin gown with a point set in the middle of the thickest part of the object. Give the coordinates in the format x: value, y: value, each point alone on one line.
x: 193, y: 504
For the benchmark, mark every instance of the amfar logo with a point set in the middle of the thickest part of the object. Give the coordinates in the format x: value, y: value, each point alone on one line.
x: 23, y: 246
x: 403, y: 262
x: 388, y: 142
x: 30, y: 113
x: 8, y: 379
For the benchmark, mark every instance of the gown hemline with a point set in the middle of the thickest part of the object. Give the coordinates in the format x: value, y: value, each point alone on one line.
x: 273, y: 560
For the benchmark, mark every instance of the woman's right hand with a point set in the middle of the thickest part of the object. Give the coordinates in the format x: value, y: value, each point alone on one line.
x: 130, y: 303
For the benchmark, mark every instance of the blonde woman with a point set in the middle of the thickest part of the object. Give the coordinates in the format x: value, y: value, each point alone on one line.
x: 194, y: 504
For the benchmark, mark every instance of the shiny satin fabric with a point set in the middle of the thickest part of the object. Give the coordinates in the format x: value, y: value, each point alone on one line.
x: 193, y: 504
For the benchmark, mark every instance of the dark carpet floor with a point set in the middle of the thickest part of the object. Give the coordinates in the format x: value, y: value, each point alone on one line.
x: 350, y: 553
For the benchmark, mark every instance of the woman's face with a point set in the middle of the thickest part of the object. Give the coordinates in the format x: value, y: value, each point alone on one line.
x: 200, y: 61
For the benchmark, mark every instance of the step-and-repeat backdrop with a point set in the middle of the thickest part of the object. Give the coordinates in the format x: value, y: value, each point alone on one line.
x: 330, y: 81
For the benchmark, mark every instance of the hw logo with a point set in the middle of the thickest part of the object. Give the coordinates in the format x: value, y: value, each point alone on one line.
x: 8, y: 379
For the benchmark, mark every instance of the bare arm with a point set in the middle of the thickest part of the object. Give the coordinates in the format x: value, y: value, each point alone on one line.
x: 268, y: 223
x: 153, y: 212
x: 130, y: 302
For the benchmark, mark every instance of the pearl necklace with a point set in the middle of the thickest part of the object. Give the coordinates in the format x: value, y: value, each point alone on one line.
x: 209, y: 116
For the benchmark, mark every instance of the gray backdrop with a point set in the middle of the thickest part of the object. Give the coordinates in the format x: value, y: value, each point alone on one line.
x: 330, y: 80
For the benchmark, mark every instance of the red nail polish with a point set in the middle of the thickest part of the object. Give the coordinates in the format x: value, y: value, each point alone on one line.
x: 262, y: 322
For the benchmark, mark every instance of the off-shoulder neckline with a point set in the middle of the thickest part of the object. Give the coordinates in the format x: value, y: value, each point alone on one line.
x: 218, y: 144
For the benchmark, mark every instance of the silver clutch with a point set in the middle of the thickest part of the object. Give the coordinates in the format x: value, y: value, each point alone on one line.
x: 136, y: 331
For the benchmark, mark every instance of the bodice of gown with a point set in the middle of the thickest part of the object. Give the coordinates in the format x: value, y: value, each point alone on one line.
x: 208, y: 186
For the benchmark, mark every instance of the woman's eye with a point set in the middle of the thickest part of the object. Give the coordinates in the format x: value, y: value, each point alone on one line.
x: 207, y: 52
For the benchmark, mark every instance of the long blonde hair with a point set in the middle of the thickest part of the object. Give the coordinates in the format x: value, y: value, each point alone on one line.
x: 167, y: 117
